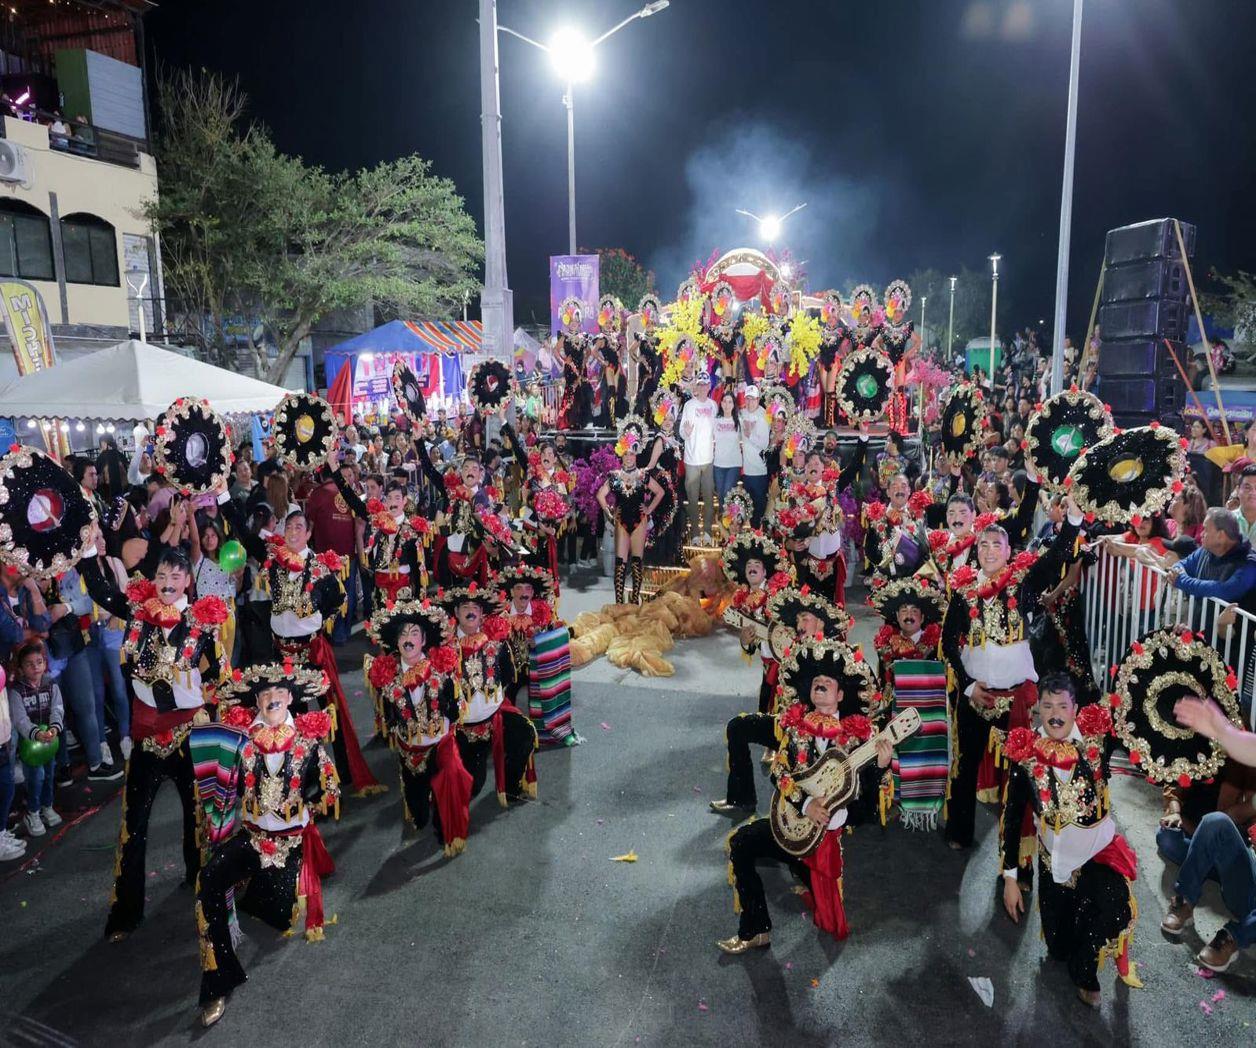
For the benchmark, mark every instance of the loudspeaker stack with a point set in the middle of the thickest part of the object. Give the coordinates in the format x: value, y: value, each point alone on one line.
x: 1145, y: 301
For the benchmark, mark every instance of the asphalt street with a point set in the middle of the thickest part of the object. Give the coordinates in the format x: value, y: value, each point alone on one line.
x: 534, y: 936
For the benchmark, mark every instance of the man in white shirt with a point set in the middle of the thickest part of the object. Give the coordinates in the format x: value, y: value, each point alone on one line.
x: 697, y: 430
x: 755, y: 433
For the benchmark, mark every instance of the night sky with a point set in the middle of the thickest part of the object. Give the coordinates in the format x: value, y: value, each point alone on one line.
x: 925, y: 133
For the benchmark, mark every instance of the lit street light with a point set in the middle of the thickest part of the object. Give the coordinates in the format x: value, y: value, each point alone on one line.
x: 571, y: 55
x: 950, y: 325
x: 770, y: 225
x: 994, y: 305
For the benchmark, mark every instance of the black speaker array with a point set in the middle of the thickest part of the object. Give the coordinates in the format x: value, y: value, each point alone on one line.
x: 1145, y: 301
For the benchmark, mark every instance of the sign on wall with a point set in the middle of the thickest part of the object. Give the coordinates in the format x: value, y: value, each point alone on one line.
x: 574, y: 277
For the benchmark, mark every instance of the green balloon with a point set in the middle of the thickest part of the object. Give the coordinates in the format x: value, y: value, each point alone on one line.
x: 232, y: 556
x: 36, y: 753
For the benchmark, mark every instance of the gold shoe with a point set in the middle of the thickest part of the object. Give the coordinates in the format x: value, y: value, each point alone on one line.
x: 1090, y: 998
x: 725, y: 807
x: 736, y: 944
x: 119, y: 936
x: 213, y: 1011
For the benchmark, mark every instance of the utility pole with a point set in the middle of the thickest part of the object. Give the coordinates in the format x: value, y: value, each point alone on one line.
x: 497, y: 306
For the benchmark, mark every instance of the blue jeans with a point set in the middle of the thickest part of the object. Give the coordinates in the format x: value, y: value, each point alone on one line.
x: 78, y: 692
x: 107, y: 679
x: 758, y: 489
x: 6, y: 785
x: 39, y: 783
x: 1218, y: 845
x: 725, y: 481
x: 1173, y: 845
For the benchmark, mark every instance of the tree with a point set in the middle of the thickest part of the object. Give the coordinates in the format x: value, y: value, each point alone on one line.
x: 1235, y: 306
x: 248, y: 229
x: 621, y: 275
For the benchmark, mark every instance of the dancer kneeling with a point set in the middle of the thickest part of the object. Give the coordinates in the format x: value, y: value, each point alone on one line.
x: 286, y: 770
x: 415, y: 678
x: 1085, y: 867
x: 828, y: 687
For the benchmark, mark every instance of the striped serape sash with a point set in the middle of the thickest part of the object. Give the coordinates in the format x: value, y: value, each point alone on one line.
x: 216, y: 762
x: 549, y: 687
x: 922, y: 762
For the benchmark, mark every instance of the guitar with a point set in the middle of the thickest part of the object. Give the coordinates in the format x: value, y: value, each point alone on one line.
x: 833, y: 779
x: 738, y: 620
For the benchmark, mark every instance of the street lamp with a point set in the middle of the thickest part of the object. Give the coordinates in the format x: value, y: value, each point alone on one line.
x: 950, y: 325
x: 1066, y: 207
x: 571, y: 55
x: 770, y: 225
x: 994, y: 303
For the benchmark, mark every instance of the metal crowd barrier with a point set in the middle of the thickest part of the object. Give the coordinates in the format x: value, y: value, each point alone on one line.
x: 1126, y: 599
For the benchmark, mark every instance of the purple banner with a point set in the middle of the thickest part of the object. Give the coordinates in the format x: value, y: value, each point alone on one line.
x: 574, y: 277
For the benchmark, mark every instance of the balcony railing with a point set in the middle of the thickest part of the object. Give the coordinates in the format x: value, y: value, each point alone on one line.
x: 81, y: 139
x: 1126, y: 599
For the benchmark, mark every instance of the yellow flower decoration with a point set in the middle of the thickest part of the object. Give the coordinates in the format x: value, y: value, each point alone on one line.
x: 753, y: 327
x: 804, y: 343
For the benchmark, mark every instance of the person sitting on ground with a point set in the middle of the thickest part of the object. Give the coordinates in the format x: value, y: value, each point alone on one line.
x: 1217, y: 846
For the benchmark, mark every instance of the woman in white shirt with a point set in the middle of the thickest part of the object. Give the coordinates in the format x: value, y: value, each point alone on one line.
x: 727, y: 447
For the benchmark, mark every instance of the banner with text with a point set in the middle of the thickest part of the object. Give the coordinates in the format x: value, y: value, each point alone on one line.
x: 26, y: 320
x: 573, y: 279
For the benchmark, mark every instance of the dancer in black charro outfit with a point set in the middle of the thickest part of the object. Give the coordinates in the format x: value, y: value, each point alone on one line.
x: 637, y: 495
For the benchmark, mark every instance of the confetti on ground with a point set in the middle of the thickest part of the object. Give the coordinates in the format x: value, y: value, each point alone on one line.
x: 630, y: 856
x: 1205, y: 1007
x: 23, y: 904
x: 697, y: 789
x: 702, y: 1006
x: 604, y: 726
x: 1205, y: 973
x: 789, y: 966
x: 815, y: 983
x: 1218, y: 997
x: 972, y: 953
x: 601, y: 822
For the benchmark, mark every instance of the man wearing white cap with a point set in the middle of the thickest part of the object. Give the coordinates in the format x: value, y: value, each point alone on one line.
x: 755, y: 433
x: 697, y: 430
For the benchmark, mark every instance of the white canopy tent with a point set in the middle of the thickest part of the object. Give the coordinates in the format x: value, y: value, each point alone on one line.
x: 132, y: 381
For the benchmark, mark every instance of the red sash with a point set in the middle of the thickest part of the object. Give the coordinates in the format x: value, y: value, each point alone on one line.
x: 320, y: 656
x: 824, y: 899
x: 316, y: 864
x: 499, y: 754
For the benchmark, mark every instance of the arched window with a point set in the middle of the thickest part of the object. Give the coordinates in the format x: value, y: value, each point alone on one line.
x: 90, y: 249
x: 25, y: 242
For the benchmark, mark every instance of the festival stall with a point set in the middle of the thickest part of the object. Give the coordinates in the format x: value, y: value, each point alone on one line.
x: 359, y: 371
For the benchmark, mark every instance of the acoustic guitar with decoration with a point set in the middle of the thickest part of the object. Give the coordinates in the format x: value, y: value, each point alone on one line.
x: 740, y: 620
x: 833, y: 779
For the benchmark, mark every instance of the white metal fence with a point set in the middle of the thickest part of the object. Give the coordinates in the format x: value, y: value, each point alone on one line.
x: 1125, y: 599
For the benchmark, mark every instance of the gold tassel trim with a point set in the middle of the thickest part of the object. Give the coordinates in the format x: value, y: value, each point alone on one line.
x: 368, y: 791
x: 455, y: 847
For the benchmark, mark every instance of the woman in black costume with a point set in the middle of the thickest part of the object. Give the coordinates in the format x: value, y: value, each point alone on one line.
x: 637, y: 495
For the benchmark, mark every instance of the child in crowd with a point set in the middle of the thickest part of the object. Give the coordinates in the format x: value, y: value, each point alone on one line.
x: 36, y: 711
x: 10, y: 847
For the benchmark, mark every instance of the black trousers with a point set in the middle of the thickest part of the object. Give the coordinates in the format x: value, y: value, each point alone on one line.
x: 519, y: 740
x: 145, y: 772
x: 741, y: 731
x: 416, y: 789
x: 748, y: 844
x: 271, y: 896
x: 253, y: 625
x: 972, y: 736
x: 1078, y: 922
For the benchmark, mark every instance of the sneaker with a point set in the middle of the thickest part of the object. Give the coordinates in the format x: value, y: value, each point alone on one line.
x: 64, y: 777
x: 1220, y: 953
x: 10, y: 847
x: 33, y: 823
x: 106, y: 754
x: 125, y: 747
x: 105, y: 773
x: 1181, y: 916
x: 50, y: 817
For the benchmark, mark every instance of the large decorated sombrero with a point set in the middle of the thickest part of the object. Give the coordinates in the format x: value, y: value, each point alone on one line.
x: 800, y: 435
x: 809, y: 659
x: 408, y: 391
x: 737, y: 510
x: 487, y: 597
x: 386, y: 624
x: 304, y: 430
x: 863, y: 308
x: 243, y: 687
x: 1165, y: 666
x: 785, y: 607
x: 193, y: 451
x: 541, y: 581
x: 610, y: 315
x: 753, y: 545
x: 633, y: 433
x: 571, y: 315
x: 802, y: 511
x: 650, y: 310
x: 489, y: 385
x: 45, y: 519
x: 965, y: 419
x: 1060, y: 430
x: 864, y: 385
x: 1131, y: 474
x: 916, y: 590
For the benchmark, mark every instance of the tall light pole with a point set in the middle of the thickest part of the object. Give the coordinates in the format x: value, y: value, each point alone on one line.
x: 923, y: 341
x: 994, y: 305
x: 497, y: 305
x: 572, y: 58
x: 950, y: 326
x: 1066, y: 207
x: 770, y: 225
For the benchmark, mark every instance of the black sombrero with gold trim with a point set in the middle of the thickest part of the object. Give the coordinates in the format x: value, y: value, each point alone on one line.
x: 1061, y: 428
x: 916, y: 590
x: 487, y: 597
x: 1131, y: 474
x: 754, y: 545
x: 244, y: 687
x: 541, y: 581
x: 785, y: 607
x: 489, y: 385
x: 965, y: 419
x: 193, y: 451
x: 1165, y: 666
x: 809, y: 659
x: 304, y: 430
x: 45, y: 519
x: 864, y: 385
x: 386, y: 624
x: 408, y: 392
